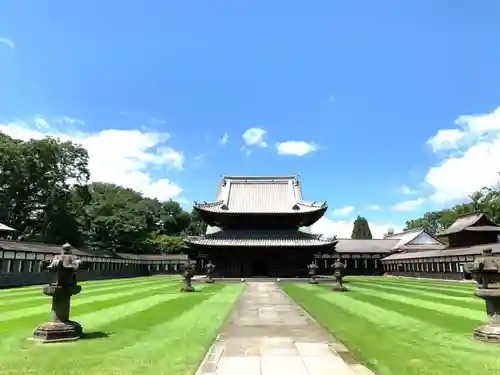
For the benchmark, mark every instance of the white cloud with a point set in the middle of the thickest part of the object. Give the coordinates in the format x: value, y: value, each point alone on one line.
x: 407, y: 190
x: 472, y: 163
x: 480, y: 123
x: 298, y: 148
x: 408, y: 205
x: 224, y: 139
x: 343, y: 228
x: 254, y: 137
x: 121, y: 157
x: 6, y: 41
x: 446, y: 139
x: 346, y: 210
x: 373, y: 207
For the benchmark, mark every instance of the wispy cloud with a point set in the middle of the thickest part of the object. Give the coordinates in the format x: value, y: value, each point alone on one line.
x: 408, y: 205
x: 6, y: 41
x: 407, y: 190
x: 155, y: 121
x: 65, y: 120
x: 224, y: 139
x: 373, y: 207
x: 343, y: 211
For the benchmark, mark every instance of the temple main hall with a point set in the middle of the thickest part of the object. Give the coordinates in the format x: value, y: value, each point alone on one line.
x: 259, y: 226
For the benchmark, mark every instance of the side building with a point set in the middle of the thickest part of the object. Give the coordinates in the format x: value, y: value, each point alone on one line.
x: 259, y: 226
x: 467, y: 237
x: 20, y: 263
x: 364, y: 256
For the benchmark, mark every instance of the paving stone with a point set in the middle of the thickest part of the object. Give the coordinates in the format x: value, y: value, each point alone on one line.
x: 268, y: 334
x: 313, y: 349
x: 332, y: 365
x: 274, y: 365
x: 238, y: 366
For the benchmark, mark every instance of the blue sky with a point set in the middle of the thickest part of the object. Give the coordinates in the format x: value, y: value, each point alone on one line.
x: 391, y: 104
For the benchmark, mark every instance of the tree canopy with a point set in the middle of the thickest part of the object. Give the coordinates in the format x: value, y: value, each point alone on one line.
x: 45, y: 194
x: 361, y: 229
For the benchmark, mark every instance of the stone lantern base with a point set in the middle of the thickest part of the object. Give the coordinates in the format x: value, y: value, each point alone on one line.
x: 339, y: 288
x: 58, y: 332
x: 488, y: 333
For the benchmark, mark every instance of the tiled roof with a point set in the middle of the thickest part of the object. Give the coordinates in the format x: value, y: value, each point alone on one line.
x: 462, y: 223
x: 405, y: 237
x: 260, y: 238
x: 6, y: 228
x: 398, y: 235
x: 415, y: 238
x: 483, y: 228
x: 347, y: 245
x: 35, y: 247
x: 471, y: 250
x: 424, y: 247
x: 260, y: 195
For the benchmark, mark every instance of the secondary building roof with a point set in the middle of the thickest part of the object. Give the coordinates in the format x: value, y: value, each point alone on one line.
x: 35, y: 247
x: 476, y: 221
x: 469, y: 250
x: 377, y: 246
x: 415, y: 239
x: 5, y: 228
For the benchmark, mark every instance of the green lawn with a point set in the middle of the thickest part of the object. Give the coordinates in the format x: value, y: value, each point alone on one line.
x: 151, y: 328
x: 404, y: 327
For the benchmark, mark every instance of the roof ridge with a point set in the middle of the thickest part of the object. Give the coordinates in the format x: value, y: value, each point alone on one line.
x: 481, y: 213
x: 369, y: 239
x: 288, y: 177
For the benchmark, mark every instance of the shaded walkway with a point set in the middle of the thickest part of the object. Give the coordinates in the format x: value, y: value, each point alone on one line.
x: 268, y: 334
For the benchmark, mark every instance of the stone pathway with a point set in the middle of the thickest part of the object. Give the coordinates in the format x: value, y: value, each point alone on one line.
x: 268, y: 334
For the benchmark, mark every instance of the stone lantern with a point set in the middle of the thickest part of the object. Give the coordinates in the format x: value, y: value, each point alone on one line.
x: 209, y: 270
x: 189, y: 270
x: 338, y: 272
x: 313, y: 267
x: 486, y: 271
x: 64, y: 267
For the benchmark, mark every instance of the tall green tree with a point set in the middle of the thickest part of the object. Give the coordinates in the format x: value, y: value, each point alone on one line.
x: 35, y: 186
x: 361, y: 229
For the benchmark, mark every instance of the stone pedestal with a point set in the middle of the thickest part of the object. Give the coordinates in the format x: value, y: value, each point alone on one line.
x: 312, y: 267
x: 59, y: 328
x: 209, y: 271
x: 489, y: 332
x: 339, y: 288
x: 58, y: 332
x: 209, y: 279
x: 187, y: 287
